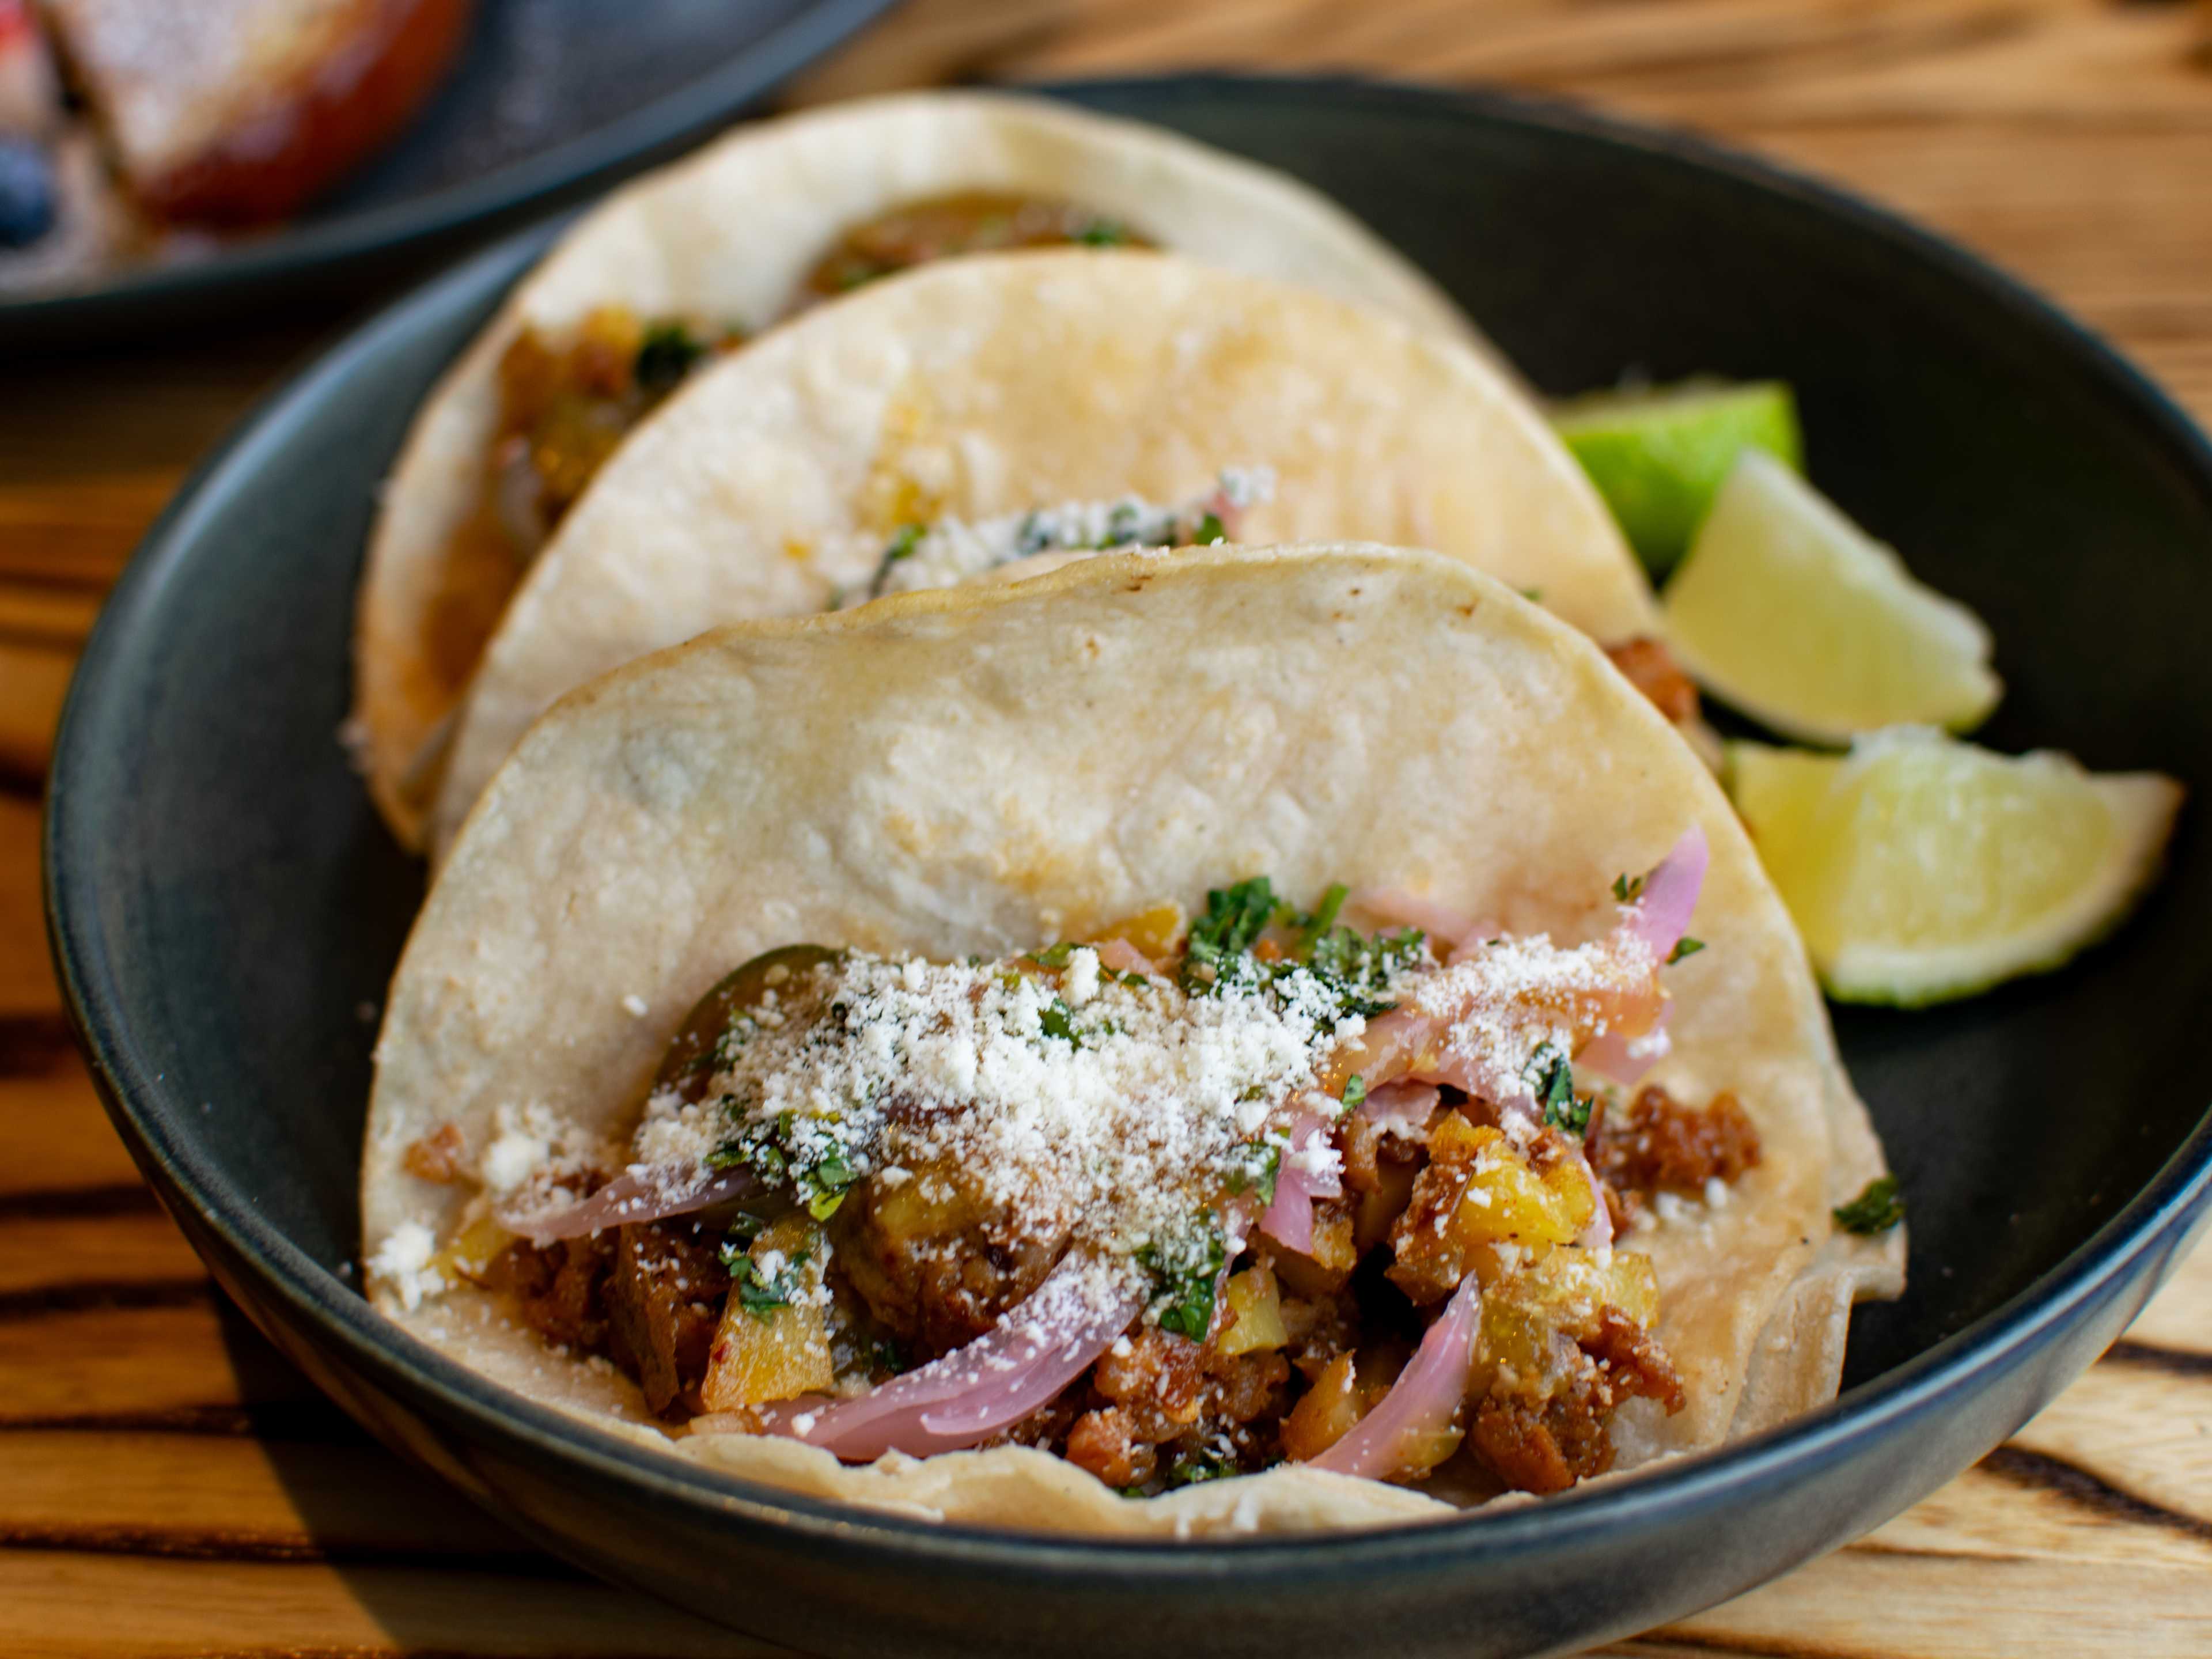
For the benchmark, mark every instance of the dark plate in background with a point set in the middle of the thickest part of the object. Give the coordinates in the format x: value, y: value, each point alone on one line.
x: 549, y: 99
x: 226, y: 908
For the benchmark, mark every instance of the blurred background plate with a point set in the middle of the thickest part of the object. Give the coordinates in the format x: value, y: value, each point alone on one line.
x: 551, y: 99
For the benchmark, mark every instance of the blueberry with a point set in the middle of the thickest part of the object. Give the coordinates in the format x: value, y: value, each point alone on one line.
x: 27, y: 191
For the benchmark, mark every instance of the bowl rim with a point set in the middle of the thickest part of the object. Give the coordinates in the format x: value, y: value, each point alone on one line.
x: 2167, y: 1208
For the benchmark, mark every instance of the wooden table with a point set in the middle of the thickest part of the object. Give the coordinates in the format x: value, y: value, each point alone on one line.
x: 168, y: 1485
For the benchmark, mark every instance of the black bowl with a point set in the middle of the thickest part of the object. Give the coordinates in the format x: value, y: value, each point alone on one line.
x: 225, y: 910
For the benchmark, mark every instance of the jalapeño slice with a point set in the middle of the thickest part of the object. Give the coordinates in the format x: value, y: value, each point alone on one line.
x: 688, y: 1059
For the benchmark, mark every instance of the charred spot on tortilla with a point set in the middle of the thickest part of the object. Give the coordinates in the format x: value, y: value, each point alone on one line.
x: 963, y: 222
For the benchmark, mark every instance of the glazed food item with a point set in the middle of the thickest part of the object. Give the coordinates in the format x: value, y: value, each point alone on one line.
x: 918, y: 431
x: 770, y: 222
x: 1230, y: 1039
x: 175, y: 121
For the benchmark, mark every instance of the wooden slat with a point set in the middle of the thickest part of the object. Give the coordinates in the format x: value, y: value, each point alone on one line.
x: 1864, y: 1603
x: 46, y: 615
x: 140, y: 1364
x: 54, y: 1137
x: 78, y: 531
x: 65, y: 1256
x: 215, y: 1497
x: 27, y: 977
x: 104, y: 1606
x: 33, y: 679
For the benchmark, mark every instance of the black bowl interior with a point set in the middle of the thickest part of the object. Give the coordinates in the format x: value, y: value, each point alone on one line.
x: 227, y: 908
x: 547, y: 99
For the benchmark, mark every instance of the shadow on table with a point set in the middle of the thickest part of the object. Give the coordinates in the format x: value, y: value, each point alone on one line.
x: 431, y: 1571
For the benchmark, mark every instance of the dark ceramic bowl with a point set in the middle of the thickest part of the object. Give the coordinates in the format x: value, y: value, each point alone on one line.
x: 225, y: 910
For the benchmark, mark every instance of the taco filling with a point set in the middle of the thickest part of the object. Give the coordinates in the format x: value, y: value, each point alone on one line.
x: 568, y: 397
x: 1178, y: 1202
x: 950, y: 551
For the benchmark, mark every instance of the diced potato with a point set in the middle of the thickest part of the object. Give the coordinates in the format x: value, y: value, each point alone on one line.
x: 1576, y: 1283
x: 1531, y: 1317
x: 1330, y: 1410
x: 1329, y: 1264
x: 1152, y: 931
x: 1254, y: 1299
x: 1506, y: 1200
x: 777, y: 1353
x: 473, y: 1250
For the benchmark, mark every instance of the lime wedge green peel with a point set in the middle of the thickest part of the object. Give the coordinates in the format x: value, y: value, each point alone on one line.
x: 1658, y: 455
x: 1789, y: 612
x: 1919, y: 869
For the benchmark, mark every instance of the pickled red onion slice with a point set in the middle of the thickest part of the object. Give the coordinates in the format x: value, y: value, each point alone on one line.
x: 643, y: 1192
x: 1124, y: 957
x: 1661, y: 915
x: 1423, y: 1398
x: 1626, y: 1059
x: 1403, y: 1108
x: 1037, y: 1349
x: 1289, y: 1219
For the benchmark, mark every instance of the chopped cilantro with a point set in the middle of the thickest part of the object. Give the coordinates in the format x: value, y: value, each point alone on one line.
x: 759, y: 1293
x: 1191, y: 1467
x: 806, y: 1156
x: 901, y: 548
x: 1534, y: 595
x: 1209, y: 531
x: 1254, y: 1167
x: 1234, y: 920
x: 1057, y: 1019
x: 1054, y: 956
x: 1313, y: 928
x: 1552, y: 1077
x: 1355, y: 1092
x: 1628, y: 889
x: 1878, y: 1207
x: 884, y: 1354
x: 667, y: 353
x: 1684, y: 946
x: 1103, y: 232
x: 1184, y: 1267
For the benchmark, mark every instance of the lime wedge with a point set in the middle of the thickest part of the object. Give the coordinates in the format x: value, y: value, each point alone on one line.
x: 1789, y: 611
x: 1920, y: 869
x: 1657, y: 456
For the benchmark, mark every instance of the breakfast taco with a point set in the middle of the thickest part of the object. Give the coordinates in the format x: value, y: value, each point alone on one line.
x: 1224, y: 1040
x: 924, y: 430
x: 681, y: 266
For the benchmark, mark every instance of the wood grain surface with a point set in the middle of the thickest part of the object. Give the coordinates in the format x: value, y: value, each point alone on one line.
x: 168, y: 1485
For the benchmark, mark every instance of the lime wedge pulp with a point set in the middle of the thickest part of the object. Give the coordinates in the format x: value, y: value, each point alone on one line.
x: 1787, y: 610
x: 1919, y: 868
x: 1657, y: 455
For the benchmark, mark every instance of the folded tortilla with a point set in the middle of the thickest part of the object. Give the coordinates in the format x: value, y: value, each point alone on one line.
x: 981, y: 768
x: 989, y: 385
x: 727, y: 234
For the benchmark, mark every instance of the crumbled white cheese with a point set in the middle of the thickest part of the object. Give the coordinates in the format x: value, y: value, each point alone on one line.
x: 1080, y: 982
x: 523, y: 1144
x: 404, y: 1262
x: 635, y: 1005
x: 952, y: 551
